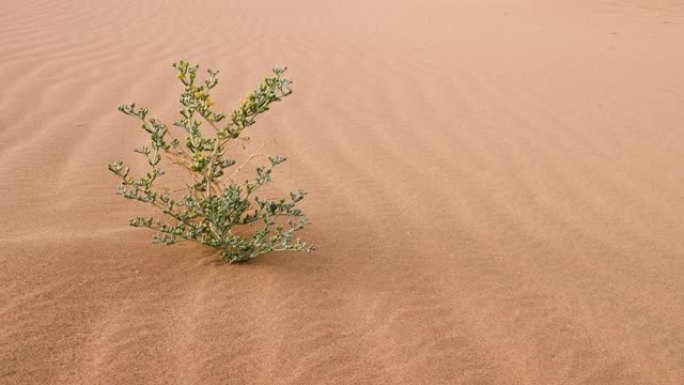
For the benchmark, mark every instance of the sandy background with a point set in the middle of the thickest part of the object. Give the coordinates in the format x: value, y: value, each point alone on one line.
x: 496, y: 191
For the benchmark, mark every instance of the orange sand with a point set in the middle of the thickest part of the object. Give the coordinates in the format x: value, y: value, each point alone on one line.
x: 496, y: 191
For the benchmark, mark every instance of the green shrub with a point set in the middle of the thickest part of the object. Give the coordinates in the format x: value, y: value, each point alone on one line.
x: 214, y: 208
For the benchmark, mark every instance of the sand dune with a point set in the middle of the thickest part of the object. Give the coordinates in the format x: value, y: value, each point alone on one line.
x: 496, y: 190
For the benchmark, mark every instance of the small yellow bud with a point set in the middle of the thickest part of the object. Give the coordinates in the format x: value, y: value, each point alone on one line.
x: 209, y: 102
x: 180, y: 76
x: 199, y: 94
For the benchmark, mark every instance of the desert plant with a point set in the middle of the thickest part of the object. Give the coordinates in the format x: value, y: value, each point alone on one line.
x: 214, y: 208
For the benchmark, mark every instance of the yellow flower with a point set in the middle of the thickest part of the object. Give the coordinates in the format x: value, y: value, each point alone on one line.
x: 209, y: 102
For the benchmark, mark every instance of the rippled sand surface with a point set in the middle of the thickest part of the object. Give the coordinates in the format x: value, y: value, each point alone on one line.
x: 496, y: 190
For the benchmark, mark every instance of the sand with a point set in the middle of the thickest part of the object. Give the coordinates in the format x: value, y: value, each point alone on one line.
x: 496, y: 190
